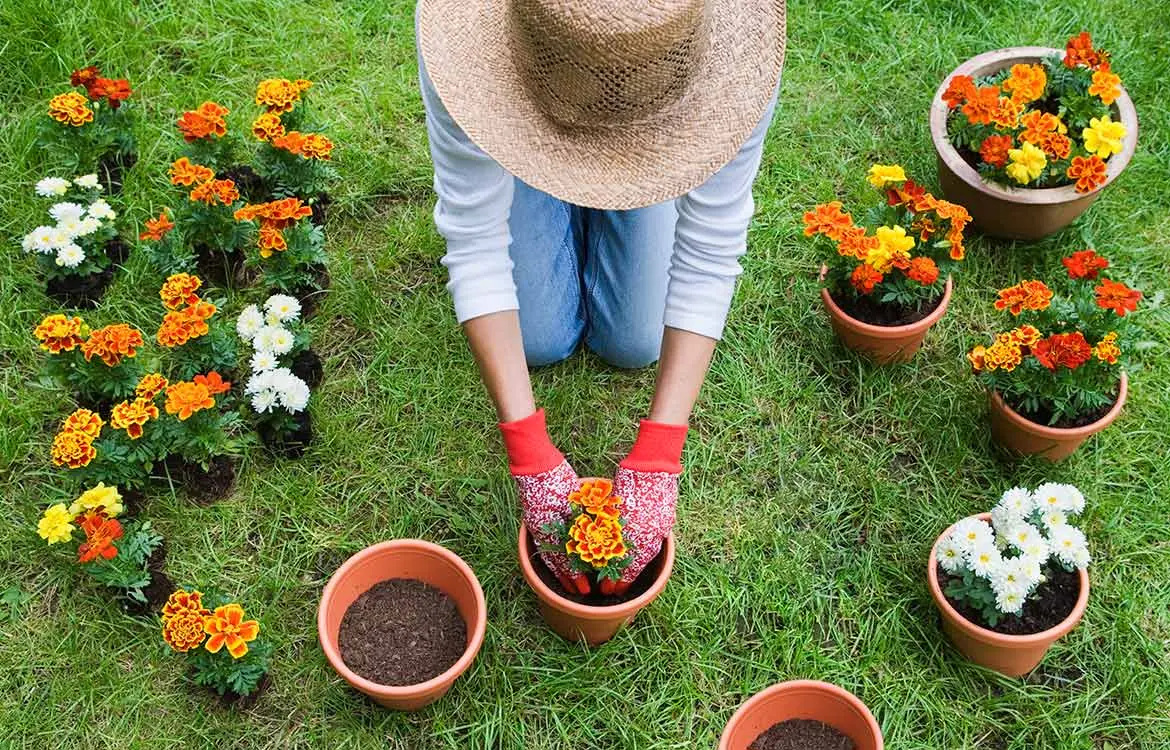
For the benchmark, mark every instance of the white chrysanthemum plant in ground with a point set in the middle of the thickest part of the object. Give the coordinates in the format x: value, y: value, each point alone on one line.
x: 998, y: 566
x: 277, y: 334
x: 83, y: 222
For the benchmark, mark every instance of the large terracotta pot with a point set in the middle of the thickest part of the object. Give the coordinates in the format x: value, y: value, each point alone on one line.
x: 1012, y: 655
x: 883, y: 344
x: 579, y: 622
x: 1003, y: 211
x: 402, y: 558
x: 1022, y: 435
x: 803, y: 699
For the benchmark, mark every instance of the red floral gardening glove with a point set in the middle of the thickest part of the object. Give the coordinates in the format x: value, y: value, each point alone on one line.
x: 647, y: 482
x: 544, y: 479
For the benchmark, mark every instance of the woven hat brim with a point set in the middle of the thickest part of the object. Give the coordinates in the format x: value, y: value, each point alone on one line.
x: 464, y: 45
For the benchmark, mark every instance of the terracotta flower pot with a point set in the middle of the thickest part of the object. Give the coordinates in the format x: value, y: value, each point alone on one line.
x: 402, y: 558
x: 803, y: 699
x: 580, y: 622
x: 883, y: 344
x: 1022, y: 435
x: 1000, y: 210
x: 1012, y: 655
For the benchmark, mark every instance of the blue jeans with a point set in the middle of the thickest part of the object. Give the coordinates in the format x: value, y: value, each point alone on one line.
x: 589, y: 275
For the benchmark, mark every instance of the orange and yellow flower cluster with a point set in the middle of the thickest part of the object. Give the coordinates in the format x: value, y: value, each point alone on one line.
x: 207, y: 189
x: 58, y: 333
x: 75, y: 110
x: 112, y: 344
x: 279, y: 94
x: 73, y: 444
x: 187, y: 624
x: 595, y: 538
x: 274, y: 218
x: 187, y: 314
x: 94, y: 513
x: 305, y: 145
x: 188, y: 397
x: 205, y: 121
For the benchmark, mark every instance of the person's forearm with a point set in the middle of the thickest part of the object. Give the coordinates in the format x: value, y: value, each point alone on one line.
x: 682, y: 367
x: 499, y: 351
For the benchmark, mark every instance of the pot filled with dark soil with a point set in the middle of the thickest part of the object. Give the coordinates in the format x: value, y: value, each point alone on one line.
x: 1017, y: 644
x: 594, y: 618
x: 203, y: 486
x: 886, y: 333
x: 289, y: 444
x: 401, y: 620
x: 80, y: 292
x: 156, y: 592
x: 1053, y: 442
x: 112, y: 169
x: 802, y: 715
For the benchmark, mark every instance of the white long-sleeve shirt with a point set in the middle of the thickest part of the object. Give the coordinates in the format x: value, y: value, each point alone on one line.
x: 475, y: 197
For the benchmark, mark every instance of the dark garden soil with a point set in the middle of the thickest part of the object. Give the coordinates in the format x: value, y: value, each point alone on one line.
x: 289, y: 444
x: 117, y: 250
x: 1051, y: 605
x: 133, y: 501
x: 312, y: 295
x: 1044, y: 417
x: 868, y: 310
x: 232, y: 699
x: 203, y: 487
x: 157, y: 591
x: 402, y: 632
x: 307, y: 366
x: 112, y: 169
x: 802, y: 734
x: 100, y: 406
x: 321, y: 209
x: 219, y: 268
x: 640, y: 586
x: 81, y: 292
x: 248, y: 182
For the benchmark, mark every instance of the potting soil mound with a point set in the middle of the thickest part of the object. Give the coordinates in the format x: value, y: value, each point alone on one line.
x: 802, y: 734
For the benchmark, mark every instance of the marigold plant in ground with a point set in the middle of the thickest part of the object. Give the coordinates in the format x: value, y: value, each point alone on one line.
x: 82, y: 127
x: 222, y: 646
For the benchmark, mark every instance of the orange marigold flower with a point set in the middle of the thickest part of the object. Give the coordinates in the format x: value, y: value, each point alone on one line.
x: 1056, y: 145
x: 1037, y: 125
x: 1062, y: 350
x: 855, y: 243
x: 186, y: 398
x: 179, y: 289
x: 982, y: 105
x: 1005, y: 354
x: 132, y: 415
x: 1027, y: 295
x: 180, y: 326
x: 306, y: 145
x: 70, y: 108
x: 597, y: 498
x: 227, y: 626
x: 924, y: 227
x: 204, y: 122
x: 1089, y: 172
x: 158, y: 228
x: 864, y: 278
x: 1107, y: 349
x: 267, y: 126
x: 923, y: 270
x: 214, y: 383
x: 84, y: 422
x: 113, y: 90
x: 280, y: 94
x: 994, y: 149
x: 827, y: 219
x: 216, y: 191
x: 184, y: 172
x: 1115, y: 296
x: 1079, y: 52
x: 182, y: 620
x: 1085, y: 264
x: 959, y: 90
x: 150, y: 386
x: 58, y: 333
x: 978, y: 358
x: 1026, y: 82
x: 1007, y: 114
x: 271, y: 240
x: 100, y: 535
x: 72, y: 449
x: 1026, y: 335
x: 1106, y: 85
x: 112, y: 344
x: 596, y: 541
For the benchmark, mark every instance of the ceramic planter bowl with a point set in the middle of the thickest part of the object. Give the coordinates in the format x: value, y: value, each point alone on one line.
x: 883, y: 344
x: 1012, y: 655
x: 1022, y: 435
x: 1000, y: 210
x: 803, y: 699
x: 402, y: 558
x: 579, y: 622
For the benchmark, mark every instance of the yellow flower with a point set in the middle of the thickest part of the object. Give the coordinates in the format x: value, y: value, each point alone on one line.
x: 107, y: 499
x: 1027, y: 163
x: 893, y: 249
x: 881, y: 175
x: 1104, y: 137
x: 56, y: 524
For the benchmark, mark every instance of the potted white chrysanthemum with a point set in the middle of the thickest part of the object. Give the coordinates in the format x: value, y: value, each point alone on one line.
x: 1011, y: 582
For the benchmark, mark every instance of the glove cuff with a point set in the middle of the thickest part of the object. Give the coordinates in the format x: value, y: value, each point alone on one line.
x: 530, y: 450
x: 658, y: 448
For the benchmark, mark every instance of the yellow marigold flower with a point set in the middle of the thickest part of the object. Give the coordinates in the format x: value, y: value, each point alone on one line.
x: 1027, y: 163
x: 70, y: 108
x: 596, y: 541
x: 58, y: 333
x: 132, y: 415
x: 73, y: 449
x: 1107, y: 349
x: 1026, y: 335
x: 179, y: 290
x: 183, y: 617
x: 150, y: 386
x: 103, y: 498
x: 881, y: 175
x: 279, y: 94
x: 56, y: 525
x: 1104, y: 137
x: 1005, y: 354
x: 978, y: 358
x: 227, y: 626
x: 893, y: 249
x: 267, y: 126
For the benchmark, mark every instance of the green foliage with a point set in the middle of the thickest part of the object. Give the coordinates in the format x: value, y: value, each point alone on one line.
x: 127, y: 571
x: 170, y: 255
x: 79, y: 149
x: 294, y: 269
x: 978, y: 593
x: 223, y: 673
x: 203, y: 436
x: 217, y: 350
x: 93, y: 380
x: 12, y: 603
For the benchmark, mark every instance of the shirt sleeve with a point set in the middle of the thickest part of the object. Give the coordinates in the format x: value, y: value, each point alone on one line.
x: 471, y: 213
x: 711, y: 237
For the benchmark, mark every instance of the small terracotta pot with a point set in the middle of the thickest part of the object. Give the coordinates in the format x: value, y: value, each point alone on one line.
x: 803, y: 699
x: 1012, y: 655
x: 402, y: 558
x: 580, y: 622
x: 883, y: 344
x: 1000, y: 210
x: 1022, y: 435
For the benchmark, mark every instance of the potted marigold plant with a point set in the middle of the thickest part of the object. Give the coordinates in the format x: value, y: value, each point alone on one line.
x: 1027, y: 137
x: 93, y: 130
x: 1058, y: 375
x: 1011, y: 582
x: 887, y: 281
x: 99, y: 365
x: 200, y: 440
x: 591, y: 537
x: 77, y: 251
x: 197, y: 343
x: 294, y: 160
x: 221, y: 645
x: 126, y: 556
x: 205, y: 220
x: 291, y: 255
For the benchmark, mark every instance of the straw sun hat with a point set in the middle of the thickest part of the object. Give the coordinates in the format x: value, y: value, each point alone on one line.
x: 605, y: 103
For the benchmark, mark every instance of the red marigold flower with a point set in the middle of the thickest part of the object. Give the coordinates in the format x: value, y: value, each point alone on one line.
x: 1115, y: 296
x: 1069, y: 350
x: 1089, y: 172
x: 994, y: 149
x: 923, y: 270
x: 227, y: 626
x: 864, y: 278
x: 1084, y: 264
x: 959, y: 90
x: 158, y: 228
x: 85, y: 76
x: 100, y: 535
x: 982, y: 105
x: 113, y: 90
x: 1079, y: 52
x: 827, y: 219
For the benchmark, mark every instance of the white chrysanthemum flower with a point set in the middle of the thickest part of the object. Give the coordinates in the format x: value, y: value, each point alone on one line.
x: 263, y: 401
x: 99, y: 209
x: 1075, y: 501
x: 52, y: 187
x: 88, y: 181
x: 70, y: 226
x: 983, y: 558
x: 973, y: 531
x: 276, y: 339
x: 1022, y: 534
x: 87, y: 226
x: 1053, y: 518
x: 249, y: 323
x: 261, y: 381
x: 283, y: 307
x: 1012, y: 574
x: 950, y: 554
x: 1070, y: 546
x: 67, y: 210
x: 263, y: 360
x: 1017, y: 500
x: 1008, y: 601
x: 70, y: 256
x: 1037, y: 550
x: 294, y: 394
x: 59, y: 238
x: 40, y: 240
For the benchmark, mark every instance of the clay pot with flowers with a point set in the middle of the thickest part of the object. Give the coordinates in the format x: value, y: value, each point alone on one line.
x: 888, y: 280
x: 1012, y: 582
x: 1028, y: 137
x: 1057, y: 377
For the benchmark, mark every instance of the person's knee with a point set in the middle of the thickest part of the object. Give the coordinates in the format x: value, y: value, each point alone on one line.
x: 628, y: 350
x: 544, y: 349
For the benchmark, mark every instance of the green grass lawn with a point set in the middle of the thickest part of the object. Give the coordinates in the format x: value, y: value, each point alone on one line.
x: 815, y: 482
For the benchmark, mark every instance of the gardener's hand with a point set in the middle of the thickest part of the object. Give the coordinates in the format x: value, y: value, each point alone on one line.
x: 647, y: 482
x: 544, y: 479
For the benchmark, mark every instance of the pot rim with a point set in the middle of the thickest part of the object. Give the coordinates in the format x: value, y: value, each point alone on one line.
x: 889, y: 332
x: 1065, y: 433
x: 990, y: 636
x: 584, y: 611
x: 815, y: 686
x: 939, y: 112
x: 333, y: 652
